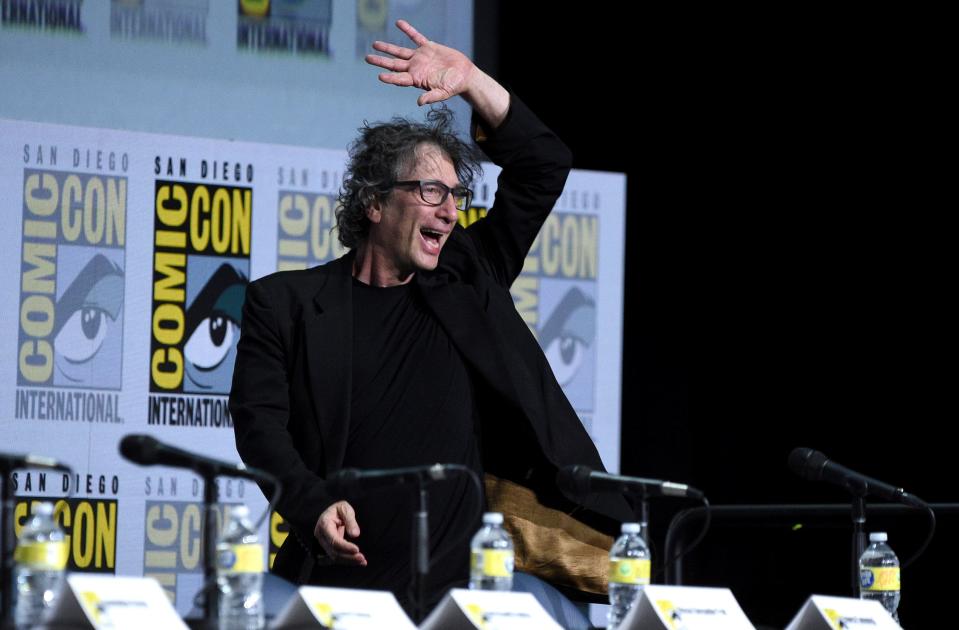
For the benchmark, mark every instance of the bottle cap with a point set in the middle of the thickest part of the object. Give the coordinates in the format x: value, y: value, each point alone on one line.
x: 493, y: 518
x: 630, y: 528
x: 878, y: 537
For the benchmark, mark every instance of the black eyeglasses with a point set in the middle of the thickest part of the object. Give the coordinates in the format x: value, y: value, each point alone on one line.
x: 435, y: 193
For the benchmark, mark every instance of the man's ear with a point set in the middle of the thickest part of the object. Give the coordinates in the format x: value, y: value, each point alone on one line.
x: 374, y: 211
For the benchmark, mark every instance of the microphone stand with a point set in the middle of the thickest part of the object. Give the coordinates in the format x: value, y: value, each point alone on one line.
x: 643, y: 514
x: 210, y: 591
x: 420, y: 565
x: 858, y: 490
x: 211, y: 609
x: 858, y: 538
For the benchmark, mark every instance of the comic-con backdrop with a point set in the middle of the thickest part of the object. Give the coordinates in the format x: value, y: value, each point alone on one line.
x: 261, y: 70
x: 126, y: 256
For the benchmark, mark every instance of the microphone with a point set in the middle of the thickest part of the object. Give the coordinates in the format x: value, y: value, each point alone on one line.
x: 148, y: 451
x: 580, y: 481
x: 10, y: 461
x: 815, y: 466
x: 349, y: 480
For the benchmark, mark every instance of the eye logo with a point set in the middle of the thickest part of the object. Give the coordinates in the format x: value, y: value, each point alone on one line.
x: 72, y: 280
x: 213, y: 326
x: 88, y: 329
x: 198, y: 288
x: 568, y: 334
x: 210, y: 341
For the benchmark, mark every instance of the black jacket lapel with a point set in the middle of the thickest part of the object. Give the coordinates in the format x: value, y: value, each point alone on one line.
x: 329, y: 338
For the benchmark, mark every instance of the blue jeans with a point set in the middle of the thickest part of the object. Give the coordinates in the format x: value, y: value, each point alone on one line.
x: 563, y: 611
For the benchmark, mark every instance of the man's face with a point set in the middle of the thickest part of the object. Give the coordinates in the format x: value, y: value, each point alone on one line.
x: 405, y: 231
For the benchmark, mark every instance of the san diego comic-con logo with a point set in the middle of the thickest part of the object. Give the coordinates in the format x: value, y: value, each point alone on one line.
x: 72, y: 278
x: 201, y: 266
x: 90, y: 526
x: 173, y: 528
x: 556, y: 296
x: 173, y: 543
x: 305, y: 234
x: 89, y: 517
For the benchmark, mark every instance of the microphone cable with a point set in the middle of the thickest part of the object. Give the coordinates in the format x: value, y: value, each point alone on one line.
x: 707, y: 519
x: 932, y: 530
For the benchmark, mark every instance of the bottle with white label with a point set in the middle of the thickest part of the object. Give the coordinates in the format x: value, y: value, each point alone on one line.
x: 239, y: 573
x: 628, y: 572
x: 40, y: 563
x: 491, y: 556
x: 879, y: 574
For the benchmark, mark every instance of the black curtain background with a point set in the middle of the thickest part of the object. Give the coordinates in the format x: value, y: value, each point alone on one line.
x: 787, y: 231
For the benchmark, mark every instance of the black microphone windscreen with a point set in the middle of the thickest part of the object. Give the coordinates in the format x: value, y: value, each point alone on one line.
x: 139, y: 449
x: 574, y: 480
x: 807, y: 463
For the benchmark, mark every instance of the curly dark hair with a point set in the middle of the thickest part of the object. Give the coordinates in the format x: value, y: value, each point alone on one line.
x: 383, y: 153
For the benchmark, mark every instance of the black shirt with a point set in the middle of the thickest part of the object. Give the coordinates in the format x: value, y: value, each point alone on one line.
x: 411, y: 404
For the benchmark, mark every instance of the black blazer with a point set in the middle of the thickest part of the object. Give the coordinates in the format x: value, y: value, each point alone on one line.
x: 290, y: 400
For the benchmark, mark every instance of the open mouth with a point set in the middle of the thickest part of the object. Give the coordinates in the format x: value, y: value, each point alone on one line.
x: 432, y: 238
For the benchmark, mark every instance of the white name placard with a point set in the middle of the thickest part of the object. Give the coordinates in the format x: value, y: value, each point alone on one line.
x: 106, y: 601
x: 463, y: 609
x: 342, y: 609
x: 686, y: 608
x: 823, y: 612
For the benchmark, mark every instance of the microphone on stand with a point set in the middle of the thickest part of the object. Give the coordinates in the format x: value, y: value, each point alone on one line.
x: 148, y: 451
x: 350, y: 480
x: 814, y: 466
x: 580, y: 481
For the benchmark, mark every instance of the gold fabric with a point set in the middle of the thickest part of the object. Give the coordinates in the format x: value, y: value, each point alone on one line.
x: 550, y: 544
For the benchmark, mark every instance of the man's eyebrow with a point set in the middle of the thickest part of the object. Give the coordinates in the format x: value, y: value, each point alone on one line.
x: 458, y: 184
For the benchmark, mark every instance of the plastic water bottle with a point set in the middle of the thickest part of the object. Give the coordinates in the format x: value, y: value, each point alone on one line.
x: 628, y: 572
x: 879, y: 573
x: 239, y: 573
x: 491, y: 556
x: 41, y: 559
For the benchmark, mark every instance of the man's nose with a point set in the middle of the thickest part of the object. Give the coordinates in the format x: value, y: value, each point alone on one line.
x: 447, y: 210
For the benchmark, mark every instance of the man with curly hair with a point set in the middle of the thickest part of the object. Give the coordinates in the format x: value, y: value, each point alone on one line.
x: 408, y: 351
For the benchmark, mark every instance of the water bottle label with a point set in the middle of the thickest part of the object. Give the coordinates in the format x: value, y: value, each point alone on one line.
x: 879, y: 578
x: 240, y: 559
x: 629, y: 571
x: 50, y: 556
x: 492, y: 562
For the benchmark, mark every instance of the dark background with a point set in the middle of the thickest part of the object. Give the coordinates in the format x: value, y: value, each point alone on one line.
x: 784, y: 230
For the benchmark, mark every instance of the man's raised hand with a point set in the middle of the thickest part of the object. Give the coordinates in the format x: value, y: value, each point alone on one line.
x: 441, y: 71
